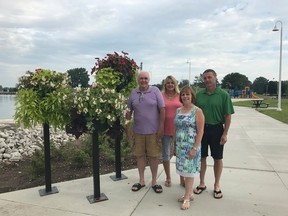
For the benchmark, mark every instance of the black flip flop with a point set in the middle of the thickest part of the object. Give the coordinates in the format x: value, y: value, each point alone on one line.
x: 218, y: 194
x: 199, y: 190
x: 137, y: 187
x: 157, y: 188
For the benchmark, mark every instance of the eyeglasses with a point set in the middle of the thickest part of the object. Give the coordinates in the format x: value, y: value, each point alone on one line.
x: 143, y: 78
x: 140, y: 97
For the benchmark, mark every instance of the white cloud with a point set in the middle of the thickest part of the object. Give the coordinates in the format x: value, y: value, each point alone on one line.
x: 226, y: 35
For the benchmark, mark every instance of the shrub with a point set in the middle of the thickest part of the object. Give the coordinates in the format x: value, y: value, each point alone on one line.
x: 80, y: 158
x: 37, y: 164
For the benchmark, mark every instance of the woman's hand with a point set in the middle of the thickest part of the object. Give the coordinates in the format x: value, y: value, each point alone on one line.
x: 192, y: 154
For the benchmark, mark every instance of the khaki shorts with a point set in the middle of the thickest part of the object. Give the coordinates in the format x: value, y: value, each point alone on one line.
x: 147, y: 145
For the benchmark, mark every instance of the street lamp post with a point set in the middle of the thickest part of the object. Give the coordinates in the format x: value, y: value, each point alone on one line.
x: 280, y: 63
x: 189, y: 62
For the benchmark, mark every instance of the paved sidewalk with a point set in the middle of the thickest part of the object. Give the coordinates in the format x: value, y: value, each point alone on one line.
x: 254, y: 182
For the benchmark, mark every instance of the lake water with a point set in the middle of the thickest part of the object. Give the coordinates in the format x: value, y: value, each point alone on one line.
x: 7, y: 106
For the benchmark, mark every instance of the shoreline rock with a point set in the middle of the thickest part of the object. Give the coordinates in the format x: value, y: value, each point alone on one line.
x: 17, y: 143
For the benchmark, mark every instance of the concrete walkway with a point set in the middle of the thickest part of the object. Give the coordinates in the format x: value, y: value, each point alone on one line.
x: 254, y: 182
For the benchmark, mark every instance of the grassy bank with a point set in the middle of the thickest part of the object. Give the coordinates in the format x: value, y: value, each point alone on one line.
x: 279, y: 115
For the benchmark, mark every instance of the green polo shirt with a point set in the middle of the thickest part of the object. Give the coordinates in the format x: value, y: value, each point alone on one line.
x: 214, y: 106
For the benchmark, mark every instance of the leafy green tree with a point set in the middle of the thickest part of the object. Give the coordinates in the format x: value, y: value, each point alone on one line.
x: 260, y: 85
x: 235, y: 81
x: 159, y: 86
x: 183, y: 83
x: 78, y: 76
x: 284, y: 87
x: 199, y: 82
x: 272, y: 88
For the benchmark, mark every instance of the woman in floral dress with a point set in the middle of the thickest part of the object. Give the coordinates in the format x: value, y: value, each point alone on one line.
x: 189, y: 122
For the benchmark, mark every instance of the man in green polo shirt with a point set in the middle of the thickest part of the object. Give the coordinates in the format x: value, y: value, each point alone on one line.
x: 217, y: 107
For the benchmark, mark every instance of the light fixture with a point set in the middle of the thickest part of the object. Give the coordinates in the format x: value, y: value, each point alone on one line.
x: 280, y: 63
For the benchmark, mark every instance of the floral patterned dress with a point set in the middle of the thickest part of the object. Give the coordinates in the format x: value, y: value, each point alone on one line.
x: 186, y: 131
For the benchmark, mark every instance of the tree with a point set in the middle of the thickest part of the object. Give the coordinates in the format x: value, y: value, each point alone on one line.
x: 272, y: 88
x: 235, y: 81
x: 284, y: 87
x: 78, y: 76
x: 260, y: 85
x: 183, y: 83
x: 199, y: 82
x: 159, y: 86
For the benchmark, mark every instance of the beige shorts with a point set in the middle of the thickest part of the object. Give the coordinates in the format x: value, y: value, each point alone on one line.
x: 147, y: 145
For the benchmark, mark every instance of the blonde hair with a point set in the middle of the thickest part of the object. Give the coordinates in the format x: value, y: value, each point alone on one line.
x: 176, y: 87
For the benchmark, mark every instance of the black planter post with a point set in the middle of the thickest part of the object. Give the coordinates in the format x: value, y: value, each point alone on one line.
x: 97, y: 197
x: 48, y: 189
x: 118, y: 139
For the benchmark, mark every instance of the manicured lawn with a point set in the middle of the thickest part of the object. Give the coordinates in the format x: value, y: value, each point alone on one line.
x: 279, y: 115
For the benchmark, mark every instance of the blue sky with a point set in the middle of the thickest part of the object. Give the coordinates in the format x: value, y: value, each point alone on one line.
x: 225, y: 35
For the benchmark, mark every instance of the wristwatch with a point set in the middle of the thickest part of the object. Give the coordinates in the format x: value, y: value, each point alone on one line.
x: 195, y: 148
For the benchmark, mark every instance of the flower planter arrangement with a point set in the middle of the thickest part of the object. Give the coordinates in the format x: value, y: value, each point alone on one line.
x: 46, y: 97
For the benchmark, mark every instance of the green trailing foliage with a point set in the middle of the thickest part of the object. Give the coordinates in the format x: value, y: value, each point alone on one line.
x: 46, y: 97
x: 43, y: 98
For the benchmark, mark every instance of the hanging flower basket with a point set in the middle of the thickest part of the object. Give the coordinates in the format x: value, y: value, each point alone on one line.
x: 103, y: 104
x: 42, y: 98
x: 125, y: 68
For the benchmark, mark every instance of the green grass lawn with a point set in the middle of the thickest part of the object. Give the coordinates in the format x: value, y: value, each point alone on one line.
x: 279, y: 115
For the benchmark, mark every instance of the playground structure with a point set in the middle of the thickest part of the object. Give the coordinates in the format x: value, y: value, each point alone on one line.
x: 254, y: 96
x: 245, y: 93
